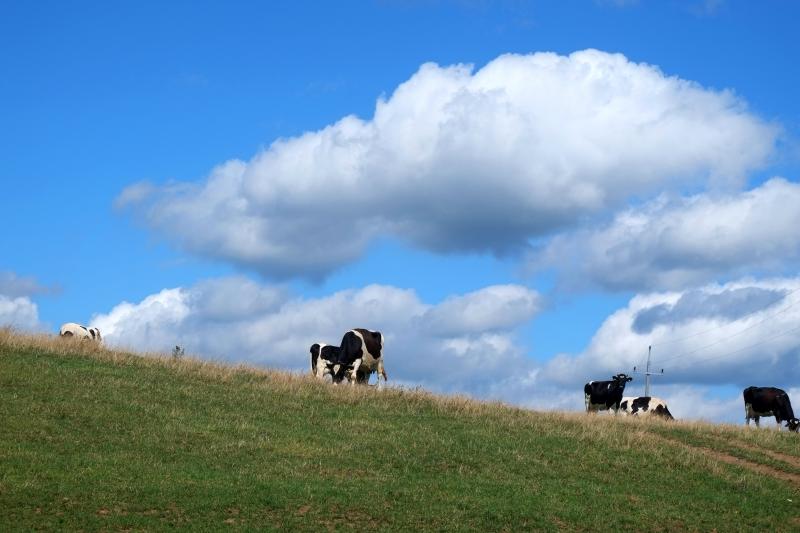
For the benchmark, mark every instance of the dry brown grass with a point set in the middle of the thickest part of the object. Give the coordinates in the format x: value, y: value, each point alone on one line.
x: 579, y: 425
x: 444, y: 461
x: 621, y: 432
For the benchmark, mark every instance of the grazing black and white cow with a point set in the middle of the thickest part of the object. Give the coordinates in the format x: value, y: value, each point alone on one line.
x: 71, y: 329
x: 323, y: 357
x: 360, y: 354
x: 603, y: 395
x: 769, y: 401
x: 645, y: 406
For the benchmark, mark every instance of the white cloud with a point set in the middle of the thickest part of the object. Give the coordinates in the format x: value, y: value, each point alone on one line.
x: 134, y: 194
x: 19, y: 312
x: 479, y: 353
x: 12, y: 285
x: 237, y: 320
x: 679, y: 243
x: 463, y: 160
x: 741, y: 333
x: 493, y: 308
x: 702, y: 403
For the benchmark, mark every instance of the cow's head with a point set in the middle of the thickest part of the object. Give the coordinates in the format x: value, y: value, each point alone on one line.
x: 95, y: 333
x: 340, y: 372
x: 622, y: 379
x: 793, y: 424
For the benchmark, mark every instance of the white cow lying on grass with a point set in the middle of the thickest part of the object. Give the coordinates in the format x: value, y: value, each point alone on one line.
x: 645, y: 406
x: 71, y: 329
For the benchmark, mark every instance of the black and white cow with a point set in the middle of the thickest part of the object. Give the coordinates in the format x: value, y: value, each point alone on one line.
x: 769, y: 401
x: 360, y: 354
x: 603, y: 395
x: 71, y: 329
x: 645, y: 406
x: 323, y: 357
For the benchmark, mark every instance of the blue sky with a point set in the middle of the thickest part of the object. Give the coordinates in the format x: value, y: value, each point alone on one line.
x: 100, y: 101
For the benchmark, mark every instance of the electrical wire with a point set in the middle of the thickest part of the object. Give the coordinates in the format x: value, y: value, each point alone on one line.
x: 759, y: 343
x: 782, y: 297
x: 745, y: 330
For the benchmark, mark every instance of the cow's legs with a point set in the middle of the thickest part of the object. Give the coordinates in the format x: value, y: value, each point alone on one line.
x: 354, y: 372
x: 322, y: 370
x: 586, y: 401
x: 756, y: 419
x: 381, y: 373
x: 335, y: 374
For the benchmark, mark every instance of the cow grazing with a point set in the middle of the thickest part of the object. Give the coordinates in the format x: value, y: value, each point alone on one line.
x: 360, y: 354
x: 645, y: 406
x: 769, y: 401
x: 71, y: 329
x: 603, y: 395
x: 323, y: 357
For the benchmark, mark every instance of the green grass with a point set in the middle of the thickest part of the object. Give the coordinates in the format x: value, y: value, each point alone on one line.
x: 98, y: 440
x: 733, y: 443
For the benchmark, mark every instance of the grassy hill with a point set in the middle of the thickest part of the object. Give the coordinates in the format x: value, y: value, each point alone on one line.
x: 93, y: 439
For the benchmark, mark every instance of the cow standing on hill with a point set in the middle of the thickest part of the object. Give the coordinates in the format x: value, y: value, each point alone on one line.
x: 360, y: 354
x: 71, y: 329
x: 323, y: 357
x: 604, y: 395
x: 645, y: 406
x: 769, y: 401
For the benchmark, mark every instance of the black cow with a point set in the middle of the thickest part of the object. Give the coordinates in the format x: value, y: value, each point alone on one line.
x: 360, y: 354
x: 645, y: 406
x: 323, y: 357
x: 769, y: 401
x: 603, y: 395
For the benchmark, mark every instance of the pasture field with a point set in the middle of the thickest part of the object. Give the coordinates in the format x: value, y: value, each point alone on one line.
x: 93, y: 439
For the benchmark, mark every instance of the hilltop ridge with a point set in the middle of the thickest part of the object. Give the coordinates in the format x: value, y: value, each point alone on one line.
x: 96, y: 438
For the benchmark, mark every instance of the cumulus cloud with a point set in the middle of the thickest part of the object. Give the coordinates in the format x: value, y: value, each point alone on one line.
x: 13, y: 286
x: 17, y: 309
x: 134, y: 194
x: 741, y: 333
x: 464, y: 344
x: 678, y: 243
x: 477, y: 352
x: 727, y: 305
x: 499, y: 307
x: 713, y: 404
x: 19, y: 312
x: 463, y: 160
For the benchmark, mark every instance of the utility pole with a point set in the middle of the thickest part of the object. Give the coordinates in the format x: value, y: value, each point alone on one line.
x: 647, y: 372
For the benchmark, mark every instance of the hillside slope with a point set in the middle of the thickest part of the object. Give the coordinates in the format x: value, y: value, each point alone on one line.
x: 99, y: 440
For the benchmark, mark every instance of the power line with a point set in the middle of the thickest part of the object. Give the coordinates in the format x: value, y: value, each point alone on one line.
x: 748, y: 328
x: 647, y: 373
x: 782, y: 297
x: 748, y: 347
